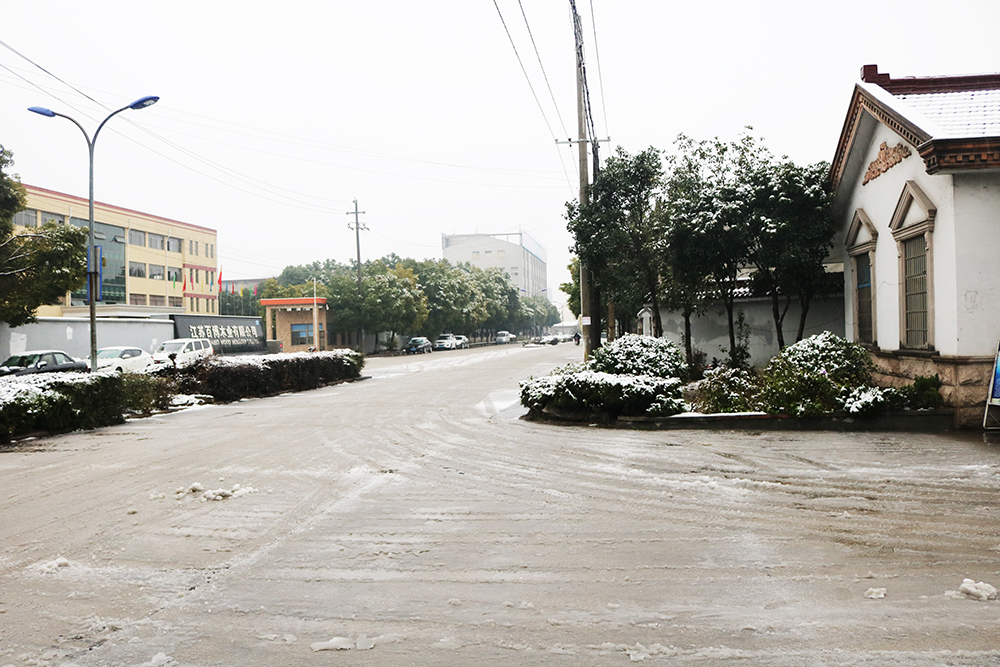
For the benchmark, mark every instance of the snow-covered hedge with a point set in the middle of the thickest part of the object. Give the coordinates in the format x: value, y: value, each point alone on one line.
x: 59, y: 402
x: 640, y: 355
x: 604, y: 393
x: 632, y: 376
x: 726, y: 389
x: 232, y: 378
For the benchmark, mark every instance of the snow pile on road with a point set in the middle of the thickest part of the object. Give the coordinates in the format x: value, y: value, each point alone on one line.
x: 53, y: 566
x: 199, y: 491
x: 362, y: 643
x: 875, y: 593
x: 978, y: 590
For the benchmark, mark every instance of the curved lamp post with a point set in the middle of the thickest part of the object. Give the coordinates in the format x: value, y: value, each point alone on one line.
x: 92, y: 266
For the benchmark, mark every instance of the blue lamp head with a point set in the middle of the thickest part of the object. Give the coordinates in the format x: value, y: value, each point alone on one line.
x: 43, y: 111
x: 144, y: 102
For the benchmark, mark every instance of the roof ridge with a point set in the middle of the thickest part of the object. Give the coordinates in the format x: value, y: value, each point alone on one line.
x: 929, y: 84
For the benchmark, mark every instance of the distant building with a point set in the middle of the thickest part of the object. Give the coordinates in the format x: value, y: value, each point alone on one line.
x: 151, y: 265
x: 518, y: 255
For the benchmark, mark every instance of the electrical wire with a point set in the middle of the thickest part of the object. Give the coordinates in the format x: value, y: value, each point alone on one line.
x: 597, y: 58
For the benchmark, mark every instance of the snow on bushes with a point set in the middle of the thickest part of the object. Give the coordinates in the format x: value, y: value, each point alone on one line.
x: 820, y: 375
x: 640, y: 355
x: 633, y: 376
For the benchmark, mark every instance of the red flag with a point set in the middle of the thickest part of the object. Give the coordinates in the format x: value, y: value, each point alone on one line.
x: 232, y: 287
x: 220, y: 280
x: 185, y: 283
x: 255, y: 290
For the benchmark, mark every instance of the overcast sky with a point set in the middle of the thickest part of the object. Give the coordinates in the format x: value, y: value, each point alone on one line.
x: 274, y: 117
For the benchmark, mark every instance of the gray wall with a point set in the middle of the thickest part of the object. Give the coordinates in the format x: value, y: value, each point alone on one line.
x: 710, y: 331
x: 72, y: 335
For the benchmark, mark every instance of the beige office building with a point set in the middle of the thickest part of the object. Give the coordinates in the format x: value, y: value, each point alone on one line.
x: 151, y: 265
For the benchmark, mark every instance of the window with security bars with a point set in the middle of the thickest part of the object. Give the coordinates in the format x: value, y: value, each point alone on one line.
x: 915, y: 291
x: 864, y: 298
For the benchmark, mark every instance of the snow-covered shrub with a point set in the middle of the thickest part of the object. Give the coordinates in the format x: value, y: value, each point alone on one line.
x: 811, y: 377
x: 923, y: 394
x: 58, y: 402
x: 725, y: 389
x: 230, y: 378
x: 640, y: 355
x: 604, y: 393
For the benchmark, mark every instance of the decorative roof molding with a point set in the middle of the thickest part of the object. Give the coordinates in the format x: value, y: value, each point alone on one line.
x: 950, y: 155
x: 863, y: 102
x: 886, y: 160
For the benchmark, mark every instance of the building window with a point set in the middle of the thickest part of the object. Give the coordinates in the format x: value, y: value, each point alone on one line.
x: 302, y: 334
x: 137, y: 269
x: 500, y: 255
x: 174, y: 274
x: 475, y: 255
x: 137, y: 299
x: 136, y: 237
x: 863, y: 297
x: 53, y: 217
x: 175, y: 301
x: 174, y: 244
x: 915, y: 291
x: 157, y: 241
x: 156, y: 271
x: 157, y: 300
x: 26, y: 218
x: 488, y: 255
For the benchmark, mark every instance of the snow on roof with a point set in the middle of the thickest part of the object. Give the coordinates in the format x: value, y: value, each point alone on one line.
x: 958, y: 114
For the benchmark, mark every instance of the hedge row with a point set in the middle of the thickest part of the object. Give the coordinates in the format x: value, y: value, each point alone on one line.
x: 228, y: 379
x: 61, y: 402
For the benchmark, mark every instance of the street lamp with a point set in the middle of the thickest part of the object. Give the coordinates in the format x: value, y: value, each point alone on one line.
x: 92, y: 259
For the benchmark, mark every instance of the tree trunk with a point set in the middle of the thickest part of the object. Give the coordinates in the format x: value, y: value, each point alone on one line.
x: 779, y: 319
x: 688, y: 350
x: 804, y: 302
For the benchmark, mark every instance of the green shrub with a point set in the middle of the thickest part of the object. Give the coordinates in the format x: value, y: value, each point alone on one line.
x: 727, y: 389
x: 145, y: 393
x: 816, y: 375
x: 923, y: 394
x: 640, y: 355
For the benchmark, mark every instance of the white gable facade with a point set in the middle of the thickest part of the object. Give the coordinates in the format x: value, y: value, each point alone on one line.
x: 917, y: 182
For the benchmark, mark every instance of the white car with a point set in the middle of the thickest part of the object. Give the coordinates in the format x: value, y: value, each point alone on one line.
x: 461, y: 342
x: 445, y: 341
x: 182, y: 351
x: 123, y: 358
x: 504, y: 337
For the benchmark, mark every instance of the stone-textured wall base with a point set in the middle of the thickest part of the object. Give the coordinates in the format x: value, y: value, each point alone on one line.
x: 964, y: 380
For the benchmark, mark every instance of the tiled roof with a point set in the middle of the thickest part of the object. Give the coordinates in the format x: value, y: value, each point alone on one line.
x: 960, y: 114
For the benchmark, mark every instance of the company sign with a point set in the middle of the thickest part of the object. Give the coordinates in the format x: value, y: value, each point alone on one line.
x: 228, y: 334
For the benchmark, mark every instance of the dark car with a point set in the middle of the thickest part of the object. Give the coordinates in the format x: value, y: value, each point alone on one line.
x: 41, y: 361
x: 418, y: 345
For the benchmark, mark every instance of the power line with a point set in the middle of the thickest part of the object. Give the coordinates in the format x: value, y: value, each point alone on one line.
x: 600, y: 78
x: 530, y: 87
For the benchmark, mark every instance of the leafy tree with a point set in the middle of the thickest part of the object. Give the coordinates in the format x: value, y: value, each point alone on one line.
x: 393, y: 302
x: 572, y: 288
x: 37, y: 266
x: 792, y: 234
x: 617, y: 232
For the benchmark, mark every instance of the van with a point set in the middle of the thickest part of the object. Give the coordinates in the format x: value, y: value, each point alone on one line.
x: 182, y: 351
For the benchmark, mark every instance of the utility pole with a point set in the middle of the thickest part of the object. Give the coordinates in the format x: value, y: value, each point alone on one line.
x: 358, y: 226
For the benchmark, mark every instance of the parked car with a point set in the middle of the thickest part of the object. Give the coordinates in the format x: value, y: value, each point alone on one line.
x: 42, y: 361
x: 549, y: 339
x: 182, y: 351
x: 504, y: 337
x: 418, y: 345
x: 123, y: 358
x: 445, y: 342
x: 461, y: 342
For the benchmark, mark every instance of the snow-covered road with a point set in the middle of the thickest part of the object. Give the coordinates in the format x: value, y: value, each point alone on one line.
x: 412, y: 519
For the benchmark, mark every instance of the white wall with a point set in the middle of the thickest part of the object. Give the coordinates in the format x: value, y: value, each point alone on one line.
x: 977, y: 242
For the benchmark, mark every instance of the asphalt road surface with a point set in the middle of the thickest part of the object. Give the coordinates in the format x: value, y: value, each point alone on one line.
x: 414, y: 519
